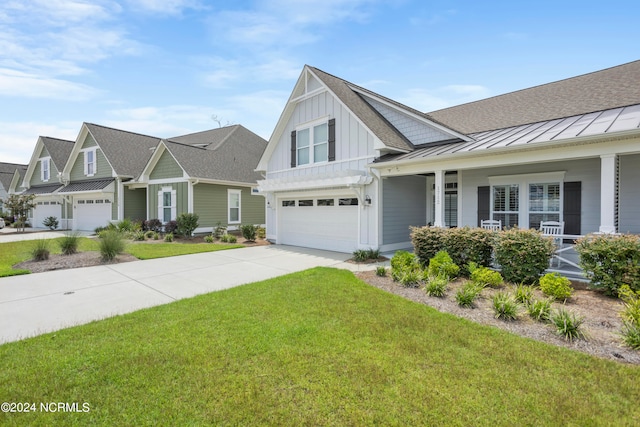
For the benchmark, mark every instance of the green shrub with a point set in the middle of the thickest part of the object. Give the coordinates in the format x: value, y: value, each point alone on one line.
x: 631, y: 335
x: 51, y: 222
x: 410, y: 278
x: 381, y: 271
x: 249, y: 232
x: 466, y: 296
x: 139, y: 235
x: 505, y: 306
x: 360, y: 255
x: 427, y: 242
x: 540, y: 310
x: 155, y: 235
x: 436, y: 286
x: 111, y: 244
x: 40, y: 250
x: 610, y: 261
x: 523, y: 293
x: 373, y: 254
x: 127, y: 225
x: 484, y: 276
x: 568, y: 324
x: 401, y: 262
x: 208, y: 238
x: 466, y: 245
x: 168, y: 237
x: 261, y: 233
x: 556, y: 286
x: 631, y: 299
x: 442, y: 264
x: 523, y: 255
x: 187, y: 223
x: 149, y: 234
x: 69, y: 243
x: 219, y: 230
x: 228, y: 238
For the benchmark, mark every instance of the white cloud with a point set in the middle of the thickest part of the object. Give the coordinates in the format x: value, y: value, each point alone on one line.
x: 17, y: 83
x: 18, y: 140
x: 446, y: 96
x: 165, y: 7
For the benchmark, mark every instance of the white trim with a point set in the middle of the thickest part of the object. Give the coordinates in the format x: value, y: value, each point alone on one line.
x: 308, y: 95
x: 230, y: 192
x: 162, y: 207
x: 311, y: 123
x: 539, y: 178
x: 85, y: 152
x: 42, y: 169
x: 315, y: 165
x: 607, y: 193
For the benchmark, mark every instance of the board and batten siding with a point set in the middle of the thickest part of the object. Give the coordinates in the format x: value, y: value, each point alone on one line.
x: 182, y: 197
x: 103, y: 168
x: 167, y: 167
x: 211, y: 205
x: 629, y: 195
x: 354, y: 144
x: 404, y: 206
x: 135, y: 203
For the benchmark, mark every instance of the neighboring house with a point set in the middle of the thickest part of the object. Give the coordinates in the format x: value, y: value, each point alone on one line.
x: 347, y: 168
x: 8, y: 172
x: 42, y: 178
x: 210, y: 173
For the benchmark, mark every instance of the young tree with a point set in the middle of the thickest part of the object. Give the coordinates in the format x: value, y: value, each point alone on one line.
x: 20, y: 205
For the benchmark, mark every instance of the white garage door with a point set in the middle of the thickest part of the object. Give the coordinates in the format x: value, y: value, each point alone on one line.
x: 90, y: 214
x: 320, y: 223
x: 44, y: 210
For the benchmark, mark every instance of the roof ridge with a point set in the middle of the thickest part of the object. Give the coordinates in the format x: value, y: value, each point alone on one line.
x: 122, y: 130
x: 57, y: 139
x: 207, y: 130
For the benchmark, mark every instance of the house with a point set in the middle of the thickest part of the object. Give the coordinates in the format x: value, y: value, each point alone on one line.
x: 211, y: 173
x: 8, y: 173
x: 347, y: 168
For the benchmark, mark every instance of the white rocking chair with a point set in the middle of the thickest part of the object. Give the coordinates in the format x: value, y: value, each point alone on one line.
x: 491, y: 224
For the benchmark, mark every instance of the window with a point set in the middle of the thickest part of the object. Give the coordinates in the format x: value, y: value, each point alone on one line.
x: 325, y: 202
x: 167, y: 204
x: 348, y: 202
x: 544, y: 203
x: 312, y: 144
x: 44, y: 169
x: 506, y: 202
x: 234, y: 206
x: 90, y: 162
x: 305, y: 202
x: 288, y: 203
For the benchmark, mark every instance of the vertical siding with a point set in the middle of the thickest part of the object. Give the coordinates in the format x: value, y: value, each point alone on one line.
x: 404, y: 205
x: 181, y: 197
x: 629, y: 198
x: 211, y: 205
x: 166, y: 167
x: 135, y: 203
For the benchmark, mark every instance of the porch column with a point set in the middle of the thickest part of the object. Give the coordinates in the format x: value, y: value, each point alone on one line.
x: 608, y: 193
x: 438, y: 220
x: 120, y: 199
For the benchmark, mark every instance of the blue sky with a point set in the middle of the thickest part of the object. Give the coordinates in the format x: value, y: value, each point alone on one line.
x: 170, y: 67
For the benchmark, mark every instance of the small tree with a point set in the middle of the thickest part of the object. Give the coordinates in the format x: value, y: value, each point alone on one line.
x: 20, y: 205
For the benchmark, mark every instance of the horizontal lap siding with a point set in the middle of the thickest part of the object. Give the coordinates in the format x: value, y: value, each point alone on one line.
x: 404, y: 200
x: 629, y: 208
x: 103, y: 169
x: 211, y: 205
x: 166, y: 167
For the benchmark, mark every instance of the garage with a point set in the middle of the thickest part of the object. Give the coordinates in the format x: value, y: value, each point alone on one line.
x: 45, y: 209
x: 91, y: 213
x: 329, y: 223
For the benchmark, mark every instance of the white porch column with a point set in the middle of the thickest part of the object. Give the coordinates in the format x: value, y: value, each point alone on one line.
x: 120, y: 199
x: 438, y: 220
x: 607, y: 193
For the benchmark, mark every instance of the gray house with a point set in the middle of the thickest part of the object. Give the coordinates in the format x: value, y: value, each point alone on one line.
x: 9, y: 174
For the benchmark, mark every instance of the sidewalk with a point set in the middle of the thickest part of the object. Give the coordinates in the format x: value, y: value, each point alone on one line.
x: 34, y: 304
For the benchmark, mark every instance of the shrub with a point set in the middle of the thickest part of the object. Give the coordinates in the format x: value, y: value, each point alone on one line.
x: 139, y: 235
x: 373, y: 254
x: 111, y: 244
x: 484, y: 276
x: 171, y: 227
x: 208, y: 238
x: 359, y: 255
x: 466, y: 245
x: 401, y: 262
x: 69, y: 243
x: 540, y: 310
x: 128, y: 225
x: 523, y: 255
x: 466, y: 296
x: 261, y: 233
x: 410, y: 278
x: 40, y: 250
x: 155, y: 235
x: 556, y: 286
x: 219, y: 230
x: 631, y: 335
x: 631, y: 299
x: 567, y: 324
x: 152, y: 225
x: 610, y: 261
x: 51, y: 222
x: 523, y: 293
x: 442, y: 264
x: 187, y: 223
x: 109, y: 226
x: 427, y: 242
x: 228, y: 238
x: 249, y: 232
x: 381, y: 271
x: 168, y: 237
x: 505, y: 306
x: 436, y: 286
x: 149, y: 234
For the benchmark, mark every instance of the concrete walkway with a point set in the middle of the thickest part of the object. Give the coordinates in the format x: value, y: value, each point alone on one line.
x: 34, y: 304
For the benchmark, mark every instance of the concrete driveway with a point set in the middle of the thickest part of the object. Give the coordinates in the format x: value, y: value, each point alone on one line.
x: 34, y: 304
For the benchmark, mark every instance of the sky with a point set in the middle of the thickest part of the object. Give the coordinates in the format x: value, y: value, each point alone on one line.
x: 171, y: 67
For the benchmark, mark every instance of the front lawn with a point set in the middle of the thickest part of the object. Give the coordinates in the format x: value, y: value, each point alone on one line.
x: 318, y: 347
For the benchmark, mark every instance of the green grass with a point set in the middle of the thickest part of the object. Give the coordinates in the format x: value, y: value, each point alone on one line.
x: 318, y: 347
x: 12, y: 253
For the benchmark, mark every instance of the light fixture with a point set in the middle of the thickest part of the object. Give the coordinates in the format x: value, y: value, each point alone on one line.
x: 367, y: 199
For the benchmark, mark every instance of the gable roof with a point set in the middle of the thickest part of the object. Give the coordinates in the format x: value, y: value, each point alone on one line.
x: 59, y: 150
x: 7, y: 171
x: 598, y: 91
x: 231, y: 154
x: 127, y: 152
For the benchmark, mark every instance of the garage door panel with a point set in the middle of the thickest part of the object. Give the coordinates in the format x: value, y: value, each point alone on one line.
x: 92, y: 213
x: 43, y: 211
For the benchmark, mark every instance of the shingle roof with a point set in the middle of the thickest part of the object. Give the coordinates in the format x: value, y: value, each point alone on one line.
x: 59, y: 150
x: 91, y: 185
x: 388, y: 134
x: 7, y: 170
x: 207, y: 138
x: 598, y: 91
x: 232, y: 158
x: 127, y: 152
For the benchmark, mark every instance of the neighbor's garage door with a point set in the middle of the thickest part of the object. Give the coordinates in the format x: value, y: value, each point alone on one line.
x: 92, y: 213
x: 320, y: 223
x: 44, y: 210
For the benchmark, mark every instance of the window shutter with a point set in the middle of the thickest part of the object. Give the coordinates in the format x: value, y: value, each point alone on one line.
x: 160, y: 207
x: 572, y: 201
x: 293, y: 149
x: 484, y: 203
x: 86, y: 171
x: 332, y: 140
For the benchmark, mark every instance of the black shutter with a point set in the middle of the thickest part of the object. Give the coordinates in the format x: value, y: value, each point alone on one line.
x: 572, y: 207
x: 293, y: 149
x: 484, y: 203
x: 332, y: 140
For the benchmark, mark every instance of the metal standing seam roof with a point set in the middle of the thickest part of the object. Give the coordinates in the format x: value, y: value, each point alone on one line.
x: 597, y: 123
x: 92, y: 185
x: 43, y: 189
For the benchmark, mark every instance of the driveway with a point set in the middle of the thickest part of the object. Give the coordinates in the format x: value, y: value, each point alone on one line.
x: 34, y: 304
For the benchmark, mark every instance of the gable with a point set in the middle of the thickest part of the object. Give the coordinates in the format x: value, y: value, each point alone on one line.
x: 166, y: 167
x: 103, y: 169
